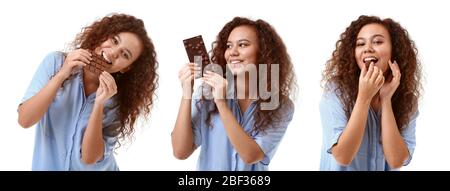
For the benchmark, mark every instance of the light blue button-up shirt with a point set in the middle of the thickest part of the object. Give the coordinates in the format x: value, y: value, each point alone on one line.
x: 370, y: 156
x: 59, y: 133
x: 217, y: 153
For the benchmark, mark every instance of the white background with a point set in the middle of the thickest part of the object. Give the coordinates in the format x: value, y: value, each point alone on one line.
x: 310, y: 29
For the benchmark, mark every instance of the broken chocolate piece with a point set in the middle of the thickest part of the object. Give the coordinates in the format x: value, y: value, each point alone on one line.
x: 98, y: 64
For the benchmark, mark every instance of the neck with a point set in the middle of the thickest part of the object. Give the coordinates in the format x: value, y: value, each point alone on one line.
x: 375, y: 103
x: 90, y: 78
x: 243, y: 87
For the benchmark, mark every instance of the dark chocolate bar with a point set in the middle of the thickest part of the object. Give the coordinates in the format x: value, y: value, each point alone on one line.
x: 196, y: 51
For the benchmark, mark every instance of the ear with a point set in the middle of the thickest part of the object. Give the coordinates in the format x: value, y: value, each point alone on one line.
x: 125, y: 69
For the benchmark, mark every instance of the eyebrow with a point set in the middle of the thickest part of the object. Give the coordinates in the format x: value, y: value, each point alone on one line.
x: 242, y: 40
x: 128, y: 51
x: 377, y: 35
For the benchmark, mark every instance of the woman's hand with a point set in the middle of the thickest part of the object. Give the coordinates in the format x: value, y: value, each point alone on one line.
x: 75, y: 59
x: 218, y: 84
x: 370, y: 82
x: 393, y: 81
x: 186, y: 77
x: 106, y: 89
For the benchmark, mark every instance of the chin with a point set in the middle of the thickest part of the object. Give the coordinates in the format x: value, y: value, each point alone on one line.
x: 237, y: 71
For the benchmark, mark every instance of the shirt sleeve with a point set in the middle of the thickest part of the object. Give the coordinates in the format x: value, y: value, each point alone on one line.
x: 269, y: 140
x: 333, y: 119
x: 111, y: 123
x: 48, y: 67
x: 409, y: 136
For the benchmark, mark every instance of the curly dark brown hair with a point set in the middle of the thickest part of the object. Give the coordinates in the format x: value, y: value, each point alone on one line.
x: 271, y: 51
x: 343, y: 72
x: 136, y: 87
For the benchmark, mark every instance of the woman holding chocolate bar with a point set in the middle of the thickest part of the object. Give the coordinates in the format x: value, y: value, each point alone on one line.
x: 237, y: 132
x: 81, y: 115
x: 370, y: 103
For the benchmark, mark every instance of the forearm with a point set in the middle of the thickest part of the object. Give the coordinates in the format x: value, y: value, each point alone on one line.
x: 32, y: 110
x: 394, y: 147
x: 182, y: 134
x: 93, y: 144
x: 350, y: 140
x: 246, y: 147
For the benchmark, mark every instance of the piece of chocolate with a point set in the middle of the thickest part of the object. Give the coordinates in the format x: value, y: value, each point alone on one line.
x: 98, y: 64
x: 196, y: 51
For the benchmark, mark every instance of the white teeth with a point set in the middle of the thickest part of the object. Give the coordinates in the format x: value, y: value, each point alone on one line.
x: 370, y: 59
x: 105, y: 57
x: 235, y: 62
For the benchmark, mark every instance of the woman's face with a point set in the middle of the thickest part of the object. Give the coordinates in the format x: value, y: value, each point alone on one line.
x: 242, y: 48
x: 121, y: 51
x: 373, y: 45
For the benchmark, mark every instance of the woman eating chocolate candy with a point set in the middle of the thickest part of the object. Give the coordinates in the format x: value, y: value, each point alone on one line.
x: 370, y: 103
x: 81, y: 115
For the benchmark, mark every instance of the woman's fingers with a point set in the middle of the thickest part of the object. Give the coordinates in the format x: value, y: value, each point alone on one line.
x: 186, y: 70
x: 214, y: 78
x: 379, y: 80
x: 101, y: 88
x: 79, y: 63
x: 83, y: 58
x: 109, y: 77
x: 80, y: 55
x: 103, y: 82
x: 363, y: 70
x: 369, y: 71
x: 182, y: 72
x: 395, y: 71
x: 85, y: 52
x: 380, y: 84
x: 186, y: 75
x: 209, y: 82
x: 375, y: 74
x: 109, y: 82
x: 85, y: 55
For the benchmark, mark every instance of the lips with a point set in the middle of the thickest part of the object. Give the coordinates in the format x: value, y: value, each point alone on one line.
x: 235, y: 61
x: 106, y: 57
x: 370, y: 59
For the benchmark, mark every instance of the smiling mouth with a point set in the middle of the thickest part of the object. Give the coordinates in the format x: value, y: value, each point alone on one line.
x: 369, y: 60
x: 106, y: 58
x: 236, y: 62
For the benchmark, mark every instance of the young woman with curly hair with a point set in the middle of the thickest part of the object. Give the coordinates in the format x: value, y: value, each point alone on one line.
x: 370, y: 104
x: 237, y: 133
x: 81, y: 116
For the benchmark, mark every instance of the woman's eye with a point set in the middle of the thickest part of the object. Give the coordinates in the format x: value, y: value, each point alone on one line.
x: 243, y: 45
x: 378, y: 42
x: 126, y: 55
x: 114, y: 40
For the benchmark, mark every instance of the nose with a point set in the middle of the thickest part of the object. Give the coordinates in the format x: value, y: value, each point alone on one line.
x: 234, y: 51
x: 368, y: 48
x: 115, y: 52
